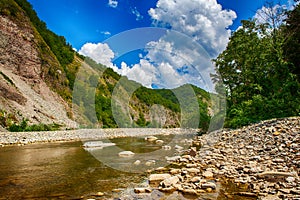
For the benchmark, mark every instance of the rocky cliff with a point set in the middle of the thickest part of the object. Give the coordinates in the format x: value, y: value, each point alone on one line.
x: 23, y: 88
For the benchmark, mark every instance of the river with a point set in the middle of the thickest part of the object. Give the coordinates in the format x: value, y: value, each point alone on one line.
x: 66, y: 171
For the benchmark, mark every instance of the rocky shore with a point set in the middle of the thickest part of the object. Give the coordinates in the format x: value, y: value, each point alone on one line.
x: 24, y: 138
x: 262, y: 161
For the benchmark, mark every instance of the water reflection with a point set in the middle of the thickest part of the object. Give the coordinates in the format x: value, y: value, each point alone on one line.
x: 52, y: 170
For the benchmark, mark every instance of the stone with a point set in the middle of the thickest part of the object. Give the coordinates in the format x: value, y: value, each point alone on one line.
x: 208, y: 174
x: 167, y: 189
x: 173, y: 159
x: 209, y: 185
x: 276, y: 133
x: 166, y: 147
x: 290, y: 179
x: 196, y: 179
x: 99, y: 194
x: 192, y: 170
x: 175, y: 171
x: 142, y: 190
x: 159, y: 141
x: 150, y: 162
x: 158, y: 177
x: 178, y: 148
x: 189, y: 191
x: 137, y: 162
x: 151, y: 138
x: 125, y: 154
x: 193, y: 151
x: 273, y: 174
x: 270, y: 197
x: 161, y: 169
x: 169, y: 182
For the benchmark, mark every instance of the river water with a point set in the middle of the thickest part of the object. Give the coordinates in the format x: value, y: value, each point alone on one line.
x: 66, y: 170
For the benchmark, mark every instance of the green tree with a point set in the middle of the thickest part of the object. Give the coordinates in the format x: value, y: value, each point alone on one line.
x: 257, y: 78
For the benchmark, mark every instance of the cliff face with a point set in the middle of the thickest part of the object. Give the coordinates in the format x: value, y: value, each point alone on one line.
x: 23, y: 90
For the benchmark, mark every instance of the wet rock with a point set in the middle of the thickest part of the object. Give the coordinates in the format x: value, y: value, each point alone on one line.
x: 125, y: 154
x: 151, y: 138
x: 178, y: 148
x: 137, y: 162
x: 166, y: 147
x: 99, y: 194
x: 150, y: 162
x: 159, y: 141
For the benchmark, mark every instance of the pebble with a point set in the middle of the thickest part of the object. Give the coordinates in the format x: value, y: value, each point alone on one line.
x: 263, y: 158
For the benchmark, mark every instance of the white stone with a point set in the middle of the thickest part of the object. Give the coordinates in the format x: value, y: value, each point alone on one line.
x: 125, y: 154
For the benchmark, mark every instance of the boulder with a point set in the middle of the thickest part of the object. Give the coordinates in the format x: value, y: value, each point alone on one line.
x: 158, y: 177
x: 169, y: 182
x: 151, y: 138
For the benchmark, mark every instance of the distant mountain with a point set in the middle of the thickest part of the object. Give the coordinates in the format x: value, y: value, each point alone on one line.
x: 44, y: 81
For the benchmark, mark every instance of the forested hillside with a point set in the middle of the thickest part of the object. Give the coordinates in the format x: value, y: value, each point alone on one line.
x: 260, y: 68
x: 44, y: 62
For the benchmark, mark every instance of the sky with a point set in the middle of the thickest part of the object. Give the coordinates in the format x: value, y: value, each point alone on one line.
x: 159, y: 43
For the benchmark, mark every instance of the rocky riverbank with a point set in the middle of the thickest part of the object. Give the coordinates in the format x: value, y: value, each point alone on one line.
x: 263, y: 160
x: 24, y: 138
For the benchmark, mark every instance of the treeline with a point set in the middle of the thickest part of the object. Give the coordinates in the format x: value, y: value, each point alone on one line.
x: 260, y: 68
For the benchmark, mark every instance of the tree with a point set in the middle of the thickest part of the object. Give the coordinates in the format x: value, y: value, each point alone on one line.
x: 257, y: 78
x: 292, y: 43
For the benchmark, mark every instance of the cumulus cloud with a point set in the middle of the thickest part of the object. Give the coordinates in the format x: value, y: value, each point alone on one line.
x: 100, y: 52
x: 203, y: 20
x: 176, y: 59
x: 113, y: 3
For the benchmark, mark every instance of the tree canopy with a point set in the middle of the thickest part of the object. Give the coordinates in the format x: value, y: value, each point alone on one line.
x: 259, y: 70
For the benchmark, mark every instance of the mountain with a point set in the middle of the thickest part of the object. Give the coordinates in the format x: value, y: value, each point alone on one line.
x: 44, y: 82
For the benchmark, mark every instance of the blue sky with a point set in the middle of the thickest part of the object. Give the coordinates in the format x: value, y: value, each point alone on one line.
x: 91, y: 26
x: 82, y: 21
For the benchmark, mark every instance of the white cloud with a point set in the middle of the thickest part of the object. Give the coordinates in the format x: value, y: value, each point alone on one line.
x: 203, y: 20
x: 113, y: 3
x: 137, y: 14
x: 100, y: 52
x: 106, y: 33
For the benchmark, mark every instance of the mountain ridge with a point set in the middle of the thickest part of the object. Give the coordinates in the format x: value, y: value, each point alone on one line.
x: 40, y: 82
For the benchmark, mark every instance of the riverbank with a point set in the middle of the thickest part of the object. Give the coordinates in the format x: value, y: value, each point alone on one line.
x: 24, y: 138
x: 261, y: 160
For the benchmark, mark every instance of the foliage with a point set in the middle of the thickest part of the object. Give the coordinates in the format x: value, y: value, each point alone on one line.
x: 258, y: 79
x: 58, y: 45
x: 291, y: 45
x: 24, y: 127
